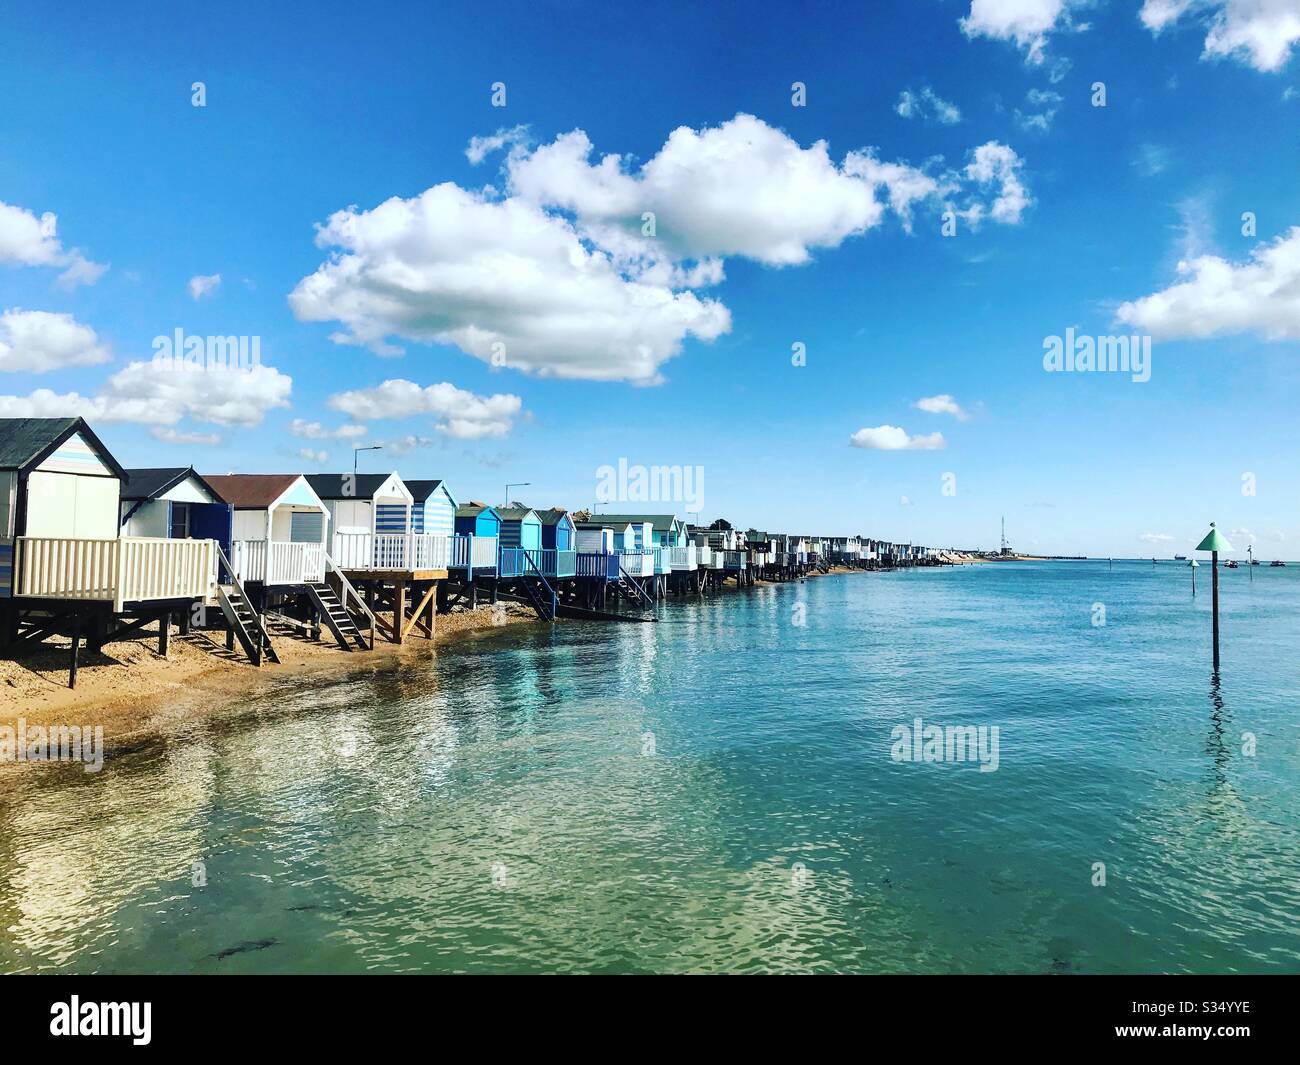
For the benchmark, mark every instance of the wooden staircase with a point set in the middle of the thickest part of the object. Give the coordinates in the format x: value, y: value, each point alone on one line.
x: 629, y: 588
x: 243, y: 622
x: 336, y: 617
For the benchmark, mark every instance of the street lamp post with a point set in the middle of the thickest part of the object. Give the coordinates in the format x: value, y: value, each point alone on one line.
x: 356, y: 450
x: 516, y: 484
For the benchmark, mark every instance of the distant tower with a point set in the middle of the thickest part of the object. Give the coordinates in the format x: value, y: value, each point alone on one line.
x: 1005, y: 550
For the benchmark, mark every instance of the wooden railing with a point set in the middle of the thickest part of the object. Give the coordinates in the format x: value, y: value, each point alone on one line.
x: 733, y: 560
x: 638, y: 563
x: 602, y: 565
x: 125, y: 570
x: 278, y: 561
x: 681, y: 557
x: 392, y: 551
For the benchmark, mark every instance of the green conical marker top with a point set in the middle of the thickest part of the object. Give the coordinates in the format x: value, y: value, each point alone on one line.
x: 1194, y: 564
x: 1214, y: 541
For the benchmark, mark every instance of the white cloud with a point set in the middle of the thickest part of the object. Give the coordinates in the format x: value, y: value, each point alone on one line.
x: 204, y: 285
x: 892, y: 438
x: 1156, y: 538
x: 146, y: 394
x: 309, y: 455
x: 1217, y: 297
x: 496, y: 278
x: 178, y: 436
x: 26, y: 240
x: 1243, y: 534
x: 1151, y: 159
x: 1028, y: 23
x: 1041, y: 106
x: 404, y: 445
x: 927, y: 104
x: 480, y: 147
x: 557, y: 276
x: 316, y: 431
x: 463, y: 415
x: 38, y: 341
x: 1259, y: 33
x: 996, y: 164
x: 942, y: 404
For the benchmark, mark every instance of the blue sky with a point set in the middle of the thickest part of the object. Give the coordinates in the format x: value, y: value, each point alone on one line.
x: 675, y: 349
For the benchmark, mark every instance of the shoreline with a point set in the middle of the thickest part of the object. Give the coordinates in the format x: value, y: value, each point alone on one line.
x: 138, y: 697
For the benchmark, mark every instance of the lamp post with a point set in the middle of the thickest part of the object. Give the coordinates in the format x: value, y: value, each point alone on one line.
x: 1214, y: 542
x: 517, y: 484
x: 356, y: 450
x: 1193, y: 565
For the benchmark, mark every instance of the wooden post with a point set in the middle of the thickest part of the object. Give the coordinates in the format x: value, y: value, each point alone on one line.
x: 399, y: 611
x: 164, y: 633
x: 76, y: 644
x: 1214, y: 583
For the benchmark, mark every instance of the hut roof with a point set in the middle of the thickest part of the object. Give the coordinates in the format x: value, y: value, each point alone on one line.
x: 337, y: 486
x: 26, y: 441
x: 251, y: 491
x: 155, y: 481
x: 553, y: 516
x: 514, y: 513
x: 473, y: 510
x: 422, y: 490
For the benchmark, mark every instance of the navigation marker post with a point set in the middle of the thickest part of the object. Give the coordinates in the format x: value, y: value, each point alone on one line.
x: 1214, y: 542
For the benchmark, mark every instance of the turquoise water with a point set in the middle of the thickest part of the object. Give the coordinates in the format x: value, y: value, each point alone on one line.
x: 716, y: 793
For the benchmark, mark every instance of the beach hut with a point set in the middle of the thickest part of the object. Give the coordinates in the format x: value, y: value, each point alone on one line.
x: 369, y: 517
x: 279, y: 529
x: 63, y: 562
x: 521, y: 533
x: 559, y: 556
x: 433, y: 508
x: 477, y: 539
x: 173, y: 502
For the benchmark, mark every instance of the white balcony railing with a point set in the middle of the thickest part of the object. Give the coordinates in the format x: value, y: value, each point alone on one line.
x: 681, y: 557
x: 392, y: 551
x: 278, y: 561
x: 637, y: 563
x: 128, y: 569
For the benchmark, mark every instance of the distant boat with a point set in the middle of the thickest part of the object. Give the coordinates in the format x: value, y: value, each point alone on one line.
x: 1180, y: 558
x: 1254, y: 562
x: 1277, y: 562
x: 1231, y: 564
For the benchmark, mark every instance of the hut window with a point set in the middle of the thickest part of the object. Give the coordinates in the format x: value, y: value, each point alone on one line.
x: 180, y: 521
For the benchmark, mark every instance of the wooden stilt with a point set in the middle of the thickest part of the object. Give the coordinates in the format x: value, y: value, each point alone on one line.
x: 399, y: 611
x: 76, y: 646
x: 164, y: 634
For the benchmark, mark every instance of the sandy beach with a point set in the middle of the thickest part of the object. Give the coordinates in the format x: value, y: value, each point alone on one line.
x: 133, y: 692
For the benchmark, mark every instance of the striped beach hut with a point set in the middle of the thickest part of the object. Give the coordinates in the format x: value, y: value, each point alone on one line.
x: 433, y: 508
x: 521, y: 532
